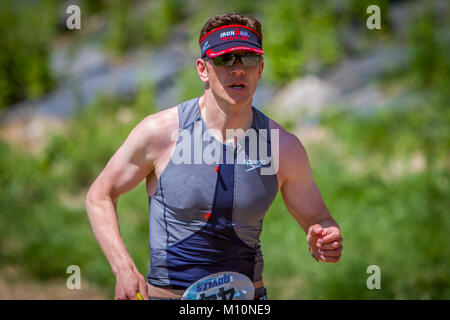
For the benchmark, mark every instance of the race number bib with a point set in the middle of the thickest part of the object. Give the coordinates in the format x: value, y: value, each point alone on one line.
x: 226, y: 285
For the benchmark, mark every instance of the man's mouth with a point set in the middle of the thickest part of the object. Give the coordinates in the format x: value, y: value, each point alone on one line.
x: 237, y: 86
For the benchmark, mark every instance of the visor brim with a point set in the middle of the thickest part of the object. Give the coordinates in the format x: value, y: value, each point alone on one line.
x: 232, y: 46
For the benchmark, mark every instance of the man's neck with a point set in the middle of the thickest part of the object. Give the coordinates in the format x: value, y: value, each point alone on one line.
x: 222, y: 116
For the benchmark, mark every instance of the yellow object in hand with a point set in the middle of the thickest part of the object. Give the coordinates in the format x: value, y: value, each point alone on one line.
x: 139, y: 296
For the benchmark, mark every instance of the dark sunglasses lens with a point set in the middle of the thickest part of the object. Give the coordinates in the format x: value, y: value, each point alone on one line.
x: 250, y: 60
x: 224, y: 60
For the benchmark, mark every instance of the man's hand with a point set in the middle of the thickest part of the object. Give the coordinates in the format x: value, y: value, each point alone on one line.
x: 326, y: 243
x: 128, y: 284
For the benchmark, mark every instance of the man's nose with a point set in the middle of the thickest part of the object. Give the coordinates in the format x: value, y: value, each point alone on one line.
x: 237, y: 66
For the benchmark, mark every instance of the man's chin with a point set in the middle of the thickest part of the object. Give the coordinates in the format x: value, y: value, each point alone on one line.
x: 237, y: 99
x: 238, y: 102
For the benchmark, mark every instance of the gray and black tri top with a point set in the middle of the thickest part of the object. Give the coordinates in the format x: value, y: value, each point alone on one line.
x: 207, y: 217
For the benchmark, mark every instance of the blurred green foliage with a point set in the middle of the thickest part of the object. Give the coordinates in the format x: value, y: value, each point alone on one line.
x: 299, y: 36
x: 26, y: 34
x: 147, y: 23
x: 429, y: 39
x: 396, y: 219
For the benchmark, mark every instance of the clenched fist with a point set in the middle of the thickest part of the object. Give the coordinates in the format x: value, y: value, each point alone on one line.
x: 325, y: 243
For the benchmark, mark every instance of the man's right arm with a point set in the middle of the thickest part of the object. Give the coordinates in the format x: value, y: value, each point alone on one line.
x: 131, y: 163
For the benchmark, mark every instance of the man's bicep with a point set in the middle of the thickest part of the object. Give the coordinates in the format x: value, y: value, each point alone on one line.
x: 125, y: 171
x: 126, y: 168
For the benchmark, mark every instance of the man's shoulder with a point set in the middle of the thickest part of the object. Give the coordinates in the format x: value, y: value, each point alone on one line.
x: 155, y: 130
x: 161, y: 121
x: 287, y: 140
x: 292, y: 153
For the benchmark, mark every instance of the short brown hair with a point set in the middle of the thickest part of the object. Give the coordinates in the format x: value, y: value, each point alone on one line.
x: 231, y: 18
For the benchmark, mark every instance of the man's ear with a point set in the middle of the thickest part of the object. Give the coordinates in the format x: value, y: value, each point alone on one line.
x: 261, y: 67
x: 202, y: 70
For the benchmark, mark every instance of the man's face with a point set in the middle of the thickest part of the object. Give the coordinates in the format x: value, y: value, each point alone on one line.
x: 222, y: 79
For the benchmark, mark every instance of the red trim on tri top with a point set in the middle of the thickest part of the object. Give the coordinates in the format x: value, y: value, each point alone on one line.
x: 213, y: 54
x: 229, y: 26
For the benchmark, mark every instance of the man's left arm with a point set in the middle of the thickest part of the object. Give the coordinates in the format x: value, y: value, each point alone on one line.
x: 304, y: 201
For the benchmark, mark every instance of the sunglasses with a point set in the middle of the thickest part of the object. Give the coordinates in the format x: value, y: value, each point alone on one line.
x: 228, y: 59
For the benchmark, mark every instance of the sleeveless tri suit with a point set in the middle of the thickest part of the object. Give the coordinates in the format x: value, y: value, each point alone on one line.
x: 207, y: 217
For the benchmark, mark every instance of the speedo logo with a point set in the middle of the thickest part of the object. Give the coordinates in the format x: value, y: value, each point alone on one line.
x: 254, y: 164
x: 234, y: 35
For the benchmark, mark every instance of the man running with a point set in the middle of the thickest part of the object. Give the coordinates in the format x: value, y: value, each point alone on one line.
x: 208, y: 193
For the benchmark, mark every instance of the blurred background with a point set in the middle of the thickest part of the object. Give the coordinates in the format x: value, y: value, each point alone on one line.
x: 370, y: 106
